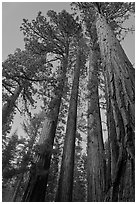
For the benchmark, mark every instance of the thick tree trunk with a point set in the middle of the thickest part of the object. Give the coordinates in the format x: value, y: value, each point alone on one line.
x: 114, y: 58
x: 121, y: 86
x: 19, y: 180
x: 38, y: 178
x: 116, y: 133
x: 108, y: 162
x: 8, y: 107
x: 95, y: 151
x: 36, y: 189
x: 112, y: 135
x: 65, y: 185
x: 108, y: 168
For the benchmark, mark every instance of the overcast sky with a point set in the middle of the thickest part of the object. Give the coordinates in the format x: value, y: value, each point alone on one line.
x: 12, y: 15
x: 14, y: 12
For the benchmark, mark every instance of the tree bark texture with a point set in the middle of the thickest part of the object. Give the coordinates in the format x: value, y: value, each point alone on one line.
x: 65, y: 185
x: 123, y: 75
x: 95, y: 151
x: 121, y: 84
x: 8, y: 107
x: 19, y: 180
x: 112, y: 135
x: 38, y: 182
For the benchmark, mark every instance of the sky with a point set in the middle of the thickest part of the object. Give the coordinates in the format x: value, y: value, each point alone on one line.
x: 12, y: 18
x: 13, y: 14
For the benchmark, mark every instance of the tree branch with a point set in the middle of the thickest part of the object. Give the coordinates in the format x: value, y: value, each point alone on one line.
x: 126, y: 29
x: 7, y: 88
x: 41, y: 36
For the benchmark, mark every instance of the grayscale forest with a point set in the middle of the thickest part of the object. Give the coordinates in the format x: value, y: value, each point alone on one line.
x: 74, y: 86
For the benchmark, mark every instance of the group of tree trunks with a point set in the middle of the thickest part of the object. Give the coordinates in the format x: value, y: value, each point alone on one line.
x: 105, y: 178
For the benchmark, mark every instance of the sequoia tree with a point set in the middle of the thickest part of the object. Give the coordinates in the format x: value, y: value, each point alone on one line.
x: 121, y: 84
x: 95, y: 146
x: 62, y: 32
x: 108, y: 19
x: 65, y: 185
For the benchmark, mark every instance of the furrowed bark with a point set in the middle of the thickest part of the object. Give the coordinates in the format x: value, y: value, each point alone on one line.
x: 95, y: 151
x: 20, y: 178
x: 121, y: 84
x: 112, y: 135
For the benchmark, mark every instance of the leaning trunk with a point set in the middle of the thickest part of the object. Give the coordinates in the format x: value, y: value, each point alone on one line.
x: 37, y: 184
x: 95, y: 151
x: 8, y: 107
x: 65, y: 186
x: 121, y: 83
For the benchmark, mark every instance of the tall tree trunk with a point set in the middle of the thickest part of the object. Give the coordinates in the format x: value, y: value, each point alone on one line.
x: 108, y: 167
x: 112, y: 135
x: 114, y: 58
x: 121, y: 85
x: 8, y: 107
x: 65, y: 185
x: 95, y: 151
x: 19, y: 180
x: 35, y: 192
